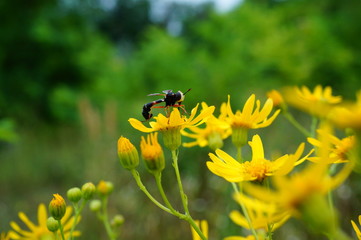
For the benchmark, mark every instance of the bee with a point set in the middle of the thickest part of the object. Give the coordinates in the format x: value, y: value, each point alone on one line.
x: 171, y: 99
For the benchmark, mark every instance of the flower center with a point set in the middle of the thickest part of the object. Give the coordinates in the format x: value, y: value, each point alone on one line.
x: 257, y: 169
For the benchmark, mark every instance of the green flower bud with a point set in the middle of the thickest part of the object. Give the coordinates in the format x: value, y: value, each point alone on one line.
x: 52, y: 224
x: 128, y: 154
x: 117, y: 220
x: 105, y: 188
x: 95, y: 205
x: 57, y: 207
x: 88, y: 190
x: 74, y: 194
x: 172, y: 138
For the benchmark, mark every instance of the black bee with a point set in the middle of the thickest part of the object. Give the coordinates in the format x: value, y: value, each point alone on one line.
x: 171, y: 99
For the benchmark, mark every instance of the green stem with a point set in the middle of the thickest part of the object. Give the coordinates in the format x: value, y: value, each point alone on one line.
x: 184, y: 198
x: 144, y: 189
x: 239, y: 154
x: 245, y: 212
x: 296, y: 124
x: 313, y: 126
x: 158, y: 179
x: 105, y: 219
x: 77, y: 210
x: 61, y: 230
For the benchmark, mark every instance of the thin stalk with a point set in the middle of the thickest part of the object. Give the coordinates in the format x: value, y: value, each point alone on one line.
x: 108, y: 229
x: 239, y: 154
x: 158, y: 179
x: 61, y: 230
x: 245, y: 212
x: 144, y: 189
x: 314, y: 126
x: 184, y: 198
x: 77, y: 210
x: 296, y: 124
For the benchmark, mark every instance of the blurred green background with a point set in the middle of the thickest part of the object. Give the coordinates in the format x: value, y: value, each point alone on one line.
x: 73, y: 71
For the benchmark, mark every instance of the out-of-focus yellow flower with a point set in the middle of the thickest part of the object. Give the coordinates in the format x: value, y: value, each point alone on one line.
x: 276, y: 97
x: 212, y: 134
x: 152, y: 153
x: 57, y: 207
x: 171, y: 126
x: 40, y: 231
x: 263, y: 215
x: 348, y: 116
x: 203, y: 225
x: 291, y: 193
x: 258, y: 168
x: 251, y: 117
x: 355, y: 227
x: 338, y: 149
x: 318, y: 103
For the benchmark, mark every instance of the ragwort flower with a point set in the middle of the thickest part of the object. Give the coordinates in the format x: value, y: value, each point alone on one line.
x: 292, y: 193
x: 258, y: 168
x: 171, y: 126
x: 263, y: 215
x: 152, y: 153
x: 317, y: 103
x: 212, y: 135
x: 348, y: 116
x: 338, y: 149
x: 40, y: 231
x: 251, y: 117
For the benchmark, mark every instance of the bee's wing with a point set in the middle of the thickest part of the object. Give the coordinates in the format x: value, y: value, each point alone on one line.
x: 156, y: 94
x: 167, y: 91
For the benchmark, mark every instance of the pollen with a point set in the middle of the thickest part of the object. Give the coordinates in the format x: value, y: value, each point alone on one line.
x: 257, y: 169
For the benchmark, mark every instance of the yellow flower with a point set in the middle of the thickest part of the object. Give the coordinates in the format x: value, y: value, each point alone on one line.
x: 251, y: 117
x: 348, y: 116
x: 203, y: 225
x: 57, y: 207
x: 152, y: 153
x: 263, y: 215
x: 127, y: 153
x: 212, y: 134
x: 338, y: 149
x: 40, y: 231
x: 292, y: 193
x: 355, y: 227
x: 318, y: 103
x: 171, y: 126
x: 258, y: 168
x: 276, y: 98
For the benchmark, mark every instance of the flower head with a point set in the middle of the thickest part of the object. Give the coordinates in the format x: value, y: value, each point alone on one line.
x: 292, y: 193
x: 251, y: 117
x: 127, y: 153
x: 348, y: 116
x: 276, y: 97
x: 212, y: 134
x: 40, y: 231
x: 152, y: 153
x: 57, y: 207
x: 318, y: 103
x: 338, y: 149
x: 355, y: 227
x: 171, y: 126
x: 263, y: 215
x: 258, y: 168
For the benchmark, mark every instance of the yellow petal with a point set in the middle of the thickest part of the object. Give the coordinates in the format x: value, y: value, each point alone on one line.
x: 257, y: 148
x: 42, y: 215
x: 139, y: 125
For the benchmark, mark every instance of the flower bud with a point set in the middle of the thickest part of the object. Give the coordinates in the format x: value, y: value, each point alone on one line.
x: 152, y: 153
x: 52, y: 224
x: 117, y: 221
x: 128, y: 154
x: 88, y: 190
x: 57, y: 207
x: 215, y: 141
x: 95, y: 205
x: 74, y: 194
x: 105, y: 188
